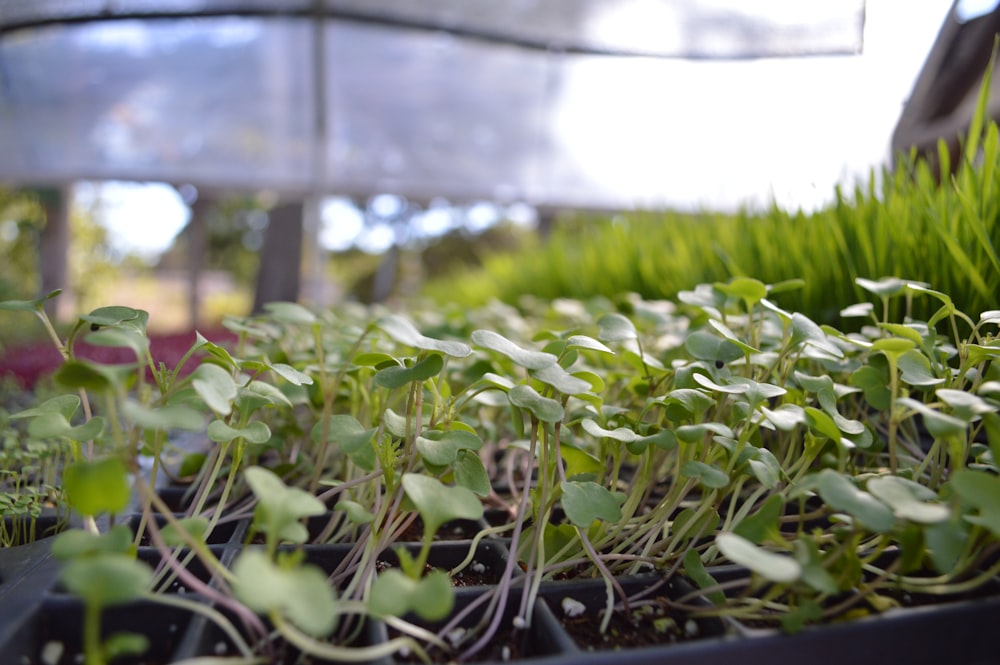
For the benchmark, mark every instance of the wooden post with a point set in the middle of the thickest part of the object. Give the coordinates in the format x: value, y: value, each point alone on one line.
x: 279, y: 275
x: 197, y: 246
x: 53, y: 249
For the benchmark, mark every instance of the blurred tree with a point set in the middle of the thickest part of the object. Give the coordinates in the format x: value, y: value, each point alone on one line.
x: 21, y: 223
x: 234, y: 236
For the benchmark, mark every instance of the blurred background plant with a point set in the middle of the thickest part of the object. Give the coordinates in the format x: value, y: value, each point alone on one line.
x: 904, y: 223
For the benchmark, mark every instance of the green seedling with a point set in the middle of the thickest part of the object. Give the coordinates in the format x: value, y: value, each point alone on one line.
x: 102, y: 571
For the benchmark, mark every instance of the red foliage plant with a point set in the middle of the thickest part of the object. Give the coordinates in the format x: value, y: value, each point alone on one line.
x: 27, y: 364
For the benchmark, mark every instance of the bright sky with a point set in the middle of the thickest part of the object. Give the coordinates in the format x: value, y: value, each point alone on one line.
x: 803, y: 126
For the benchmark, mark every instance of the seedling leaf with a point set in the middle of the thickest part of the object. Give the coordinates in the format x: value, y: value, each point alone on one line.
x: 214, y: 385
x: 530, y: 359
x: 302, y: 594
x: 543, y: 408
x: 586, y: 501
x: 404, y: 332
x: 770, y: 565
x: 842, y: 494
x: 615, y: 328
x: 438, y: 503
x: 98, y: 486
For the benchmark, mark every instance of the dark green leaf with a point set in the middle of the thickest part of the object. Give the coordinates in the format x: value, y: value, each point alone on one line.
x: 471, y: 474
x: 758, y: 526
x: 397, y: 377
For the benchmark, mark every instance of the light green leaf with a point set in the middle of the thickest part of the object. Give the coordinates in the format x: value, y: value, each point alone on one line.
x: 255, y: 432
x: 259, y: 393
x: 724, y: 330
x: 765, y: 467
x: 615, y: 328
x: 696, y: 572
x: 588, y: 343
x: 747, y: 289
x: 112, y: 316
x: 813, y: 572
x: 27, y: 305
x: 695, y: 433
x: 196, y: 527
x: 586, y: 501
x: 693, y: 402
x: 821, y: 423
x: 302, y: 594
x: 982, y: 491
x: 786, y: 417
x: 106, y: 579
x: 290, y: 312
x: 438, y: 503
x: 707, y: 474
x: 621, y: 434
x: 731, y: 389
x: 841, y: 494
x: 965, y: 405
x: 441, y: 448
x: 214, y: 385
x: 567, y: 384
x: 493, y: 341
x: 292, y: 375
x: 394, y: 594
x: 704, y: 345
x: 97, y: 486
x: 908, y: 500
x: 65, y: 405
x: 579, y: 462
x: 770, y: 565
x: 127, y: 338
x: 940, y: 425
x: 404, y: 332
x: 345, y: 432
x: 805, y: 331
x: 169, y: 417
x: 543, y: 408
x: 279, y: 507
x: 915, y: 369
x: 886, y: 286
x: 355, y: 512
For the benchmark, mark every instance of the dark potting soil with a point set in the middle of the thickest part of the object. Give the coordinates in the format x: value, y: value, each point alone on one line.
x: 475, y: 574
x: 507, y: 644
x: 455, y: 530
x: 651, y: 624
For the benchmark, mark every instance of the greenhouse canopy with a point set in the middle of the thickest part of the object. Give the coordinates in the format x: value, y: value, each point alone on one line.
x: 509, y: 100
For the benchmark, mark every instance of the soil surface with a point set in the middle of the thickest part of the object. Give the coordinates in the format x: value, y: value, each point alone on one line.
x: 653, y: 624
x: 475, y: 574
x: 508, y: 644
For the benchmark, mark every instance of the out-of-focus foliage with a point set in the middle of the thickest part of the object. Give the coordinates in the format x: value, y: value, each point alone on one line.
x: 235, y: 235
x: 437, y: 259
x: 21, y: 222
x: 902, y: 223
